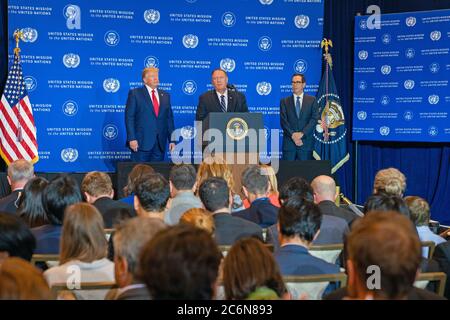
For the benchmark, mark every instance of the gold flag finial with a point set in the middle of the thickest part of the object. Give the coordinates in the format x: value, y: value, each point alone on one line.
x: 18, y: 34
x: 327, y: 43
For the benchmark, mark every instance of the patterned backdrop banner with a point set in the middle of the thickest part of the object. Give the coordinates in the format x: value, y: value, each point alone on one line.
x: 401, y: 77
x: 81, y: 58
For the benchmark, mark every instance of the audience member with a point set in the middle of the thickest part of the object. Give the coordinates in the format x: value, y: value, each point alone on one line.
x: 216, y: 198
x: 83, y: 251
x: 135, y: 174
x: 386, y: 202
x: 182, y: 263
x: 151, y: 196
x: 60, y: 193
x: 256, y: 185
x: 16, y: 239
x: 31, y: 208
x: 19, y: 173
x: 200, y: 218
x: 248, y: 267
x: 182, y: 187
x: 273, y: 189
x: 129, y: 240
x: 98, y: 190
x: 390, y: 181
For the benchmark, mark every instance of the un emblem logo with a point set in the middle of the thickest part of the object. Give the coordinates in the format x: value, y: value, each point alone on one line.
x: 151, y: 62
x: 409, y: 84
x: 384, y: 131
x: 70, y: 108
x: 362, y: 115
x: 111, y: 85
x: 363, y: 55
x: 363, y: 24
x: 362, y: 85
x: 71, y: 60
x: 410, y: 53
x: 112, y: 38
x: 110, y: 132
x: 190, y: 41
x: 72, y: 13
x: 29, y: 35
x: 434, y: 67
x: 189, y: 87
x: 266, y: 2
x: 265, y: 43
x: 435, y: 35
x: 301, y: 21
x: 300, y: 66
x: 386, y: 69
x: 433, y: 131
x: 30, y: 83
x: 152, y: 16
x: 237, y: 128
x: 433, y: 99
x: 228, y: 19
x: 188, y: 132
x: 408, y: 115
x: 410, y: 21
x: 227, y: 65
x: 386, y: 38
x: 385, y: 100
x: 69, y: 155
x: 263, y: 88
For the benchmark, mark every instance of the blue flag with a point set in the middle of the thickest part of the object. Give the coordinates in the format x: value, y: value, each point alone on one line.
x: 330, y: 143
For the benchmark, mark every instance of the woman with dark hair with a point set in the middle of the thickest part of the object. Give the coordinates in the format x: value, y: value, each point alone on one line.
x: 250, y: 268
x: 135, y: 174
x: 31, y: 209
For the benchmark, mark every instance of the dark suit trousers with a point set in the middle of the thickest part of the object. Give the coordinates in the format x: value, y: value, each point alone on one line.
x: 154, y: 155
x: 298, y: 154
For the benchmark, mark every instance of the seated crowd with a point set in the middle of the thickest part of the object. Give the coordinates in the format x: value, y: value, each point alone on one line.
x: 194, y: 236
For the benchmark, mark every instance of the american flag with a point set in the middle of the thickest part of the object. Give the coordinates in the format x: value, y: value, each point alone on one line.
x: 17, y: 129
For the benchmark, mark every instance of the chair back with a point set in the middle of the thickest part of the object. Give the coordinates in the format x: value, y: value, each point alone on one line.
x: 327, y: 252
x: 312, y: 286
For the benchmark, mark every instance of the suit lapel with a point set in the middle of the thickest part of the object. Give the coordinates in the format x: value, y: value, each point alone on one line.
x: 217, y: 101
x: 231, y: 102
x: 148, y: 100
x: 291, y: 106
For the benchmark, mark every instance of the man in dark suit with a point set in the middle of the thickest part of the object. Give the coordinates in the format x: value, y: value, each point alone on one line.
x: 298, y: 115
x: 19, y: 173
x: 149, y: 119
x: 256, y: 187
x: 97, y: 190
x: 325, y: 194
x: 223, y: 98
x: 129, y: 240
x: 217, y: 199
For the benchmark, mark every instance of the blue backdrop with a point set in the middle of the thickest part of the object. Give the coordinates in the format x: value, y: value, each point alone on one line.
x: 81, y: 59
x: 401, y: 81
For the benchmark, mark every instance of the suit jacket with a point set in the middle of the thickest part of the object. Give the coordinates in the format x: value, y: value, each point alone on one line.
x: 140, y: 293
x: 141, y: 121
x: 414, y: 294
x: 330, y: 208
x: 290, y: 123
x: 442, y: 256
x: 332, y: 230
x: 230, y: 229
x: 261, y: 212
x: 47, y: 238
x: 296, y: 260
x: 9, y: 203
x: 209, y: 102
x: 180, y: 204
x: 113, y: 211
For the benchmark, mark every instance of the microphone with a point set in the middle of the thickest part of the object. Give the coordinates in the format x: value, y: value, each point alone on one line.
x: 231, y: 87
x: 351, y: 206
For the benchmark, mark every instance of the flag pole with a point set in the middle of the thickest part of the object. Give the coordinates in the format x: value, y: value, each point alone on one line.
x: 18, y: 35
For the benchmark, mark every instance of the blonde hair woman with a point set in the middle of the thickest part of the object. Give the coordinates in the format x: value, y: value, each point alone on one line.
x: 83, y: 251
x: 390, y: 181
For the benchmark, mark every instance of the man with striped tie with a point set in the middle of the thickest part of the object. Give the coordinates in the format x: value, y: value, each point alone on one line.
x: 223, y: 98
x: 298, y: 115
x: 149, y: 120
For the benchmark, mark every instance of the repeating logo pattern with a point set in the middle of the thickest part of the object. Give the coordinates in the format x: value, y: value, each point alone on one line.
x: 189, y: 87
x: 110, y: 132
x: 152, y: 16
x: 112, y: 38
x: 190, y: 41
x: 265, y: 43
x: 69, y: 155
x: 228, y: 19
x: 111, y: 85
x: 301, y: 21
x: 227, y: 64
x: 29, y: 35
x: 70, y: 108
x: 71, y: 60
x: 264, y: 88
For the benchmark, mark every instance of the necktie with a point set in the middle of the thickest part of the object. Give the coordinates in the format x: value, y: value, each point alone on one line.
x: 298, y: 107
x: 223, y: 104
x: 155, y: 103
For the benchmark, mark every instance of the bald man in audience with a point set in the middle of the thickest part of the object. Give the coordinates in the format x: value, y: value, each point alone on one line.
x: 19, y: 173
x: 325, y: 196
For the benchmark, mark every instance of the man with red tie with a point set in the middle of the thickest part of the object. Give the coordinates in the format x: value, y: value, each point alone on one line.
x: 149, y: 120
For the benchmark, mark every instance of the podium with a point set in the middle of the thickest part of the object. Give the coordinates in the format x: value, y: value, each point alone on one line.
x: 237, y: 137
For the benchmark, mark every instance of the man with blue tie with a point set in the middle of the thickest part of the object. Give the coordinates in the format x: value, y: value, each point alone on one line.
x: 298, y: 115
x: 223, y: 98
x: 149, y: 119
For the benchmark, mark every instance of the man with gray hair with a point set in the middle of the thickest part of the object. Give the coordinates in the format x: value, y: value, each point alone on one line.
x: 19, y: 173
x: 129, y: 239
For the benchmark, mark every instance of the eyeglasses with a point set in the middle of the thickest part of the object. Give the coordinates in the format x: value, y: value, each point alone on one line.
x: 297, y: 82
